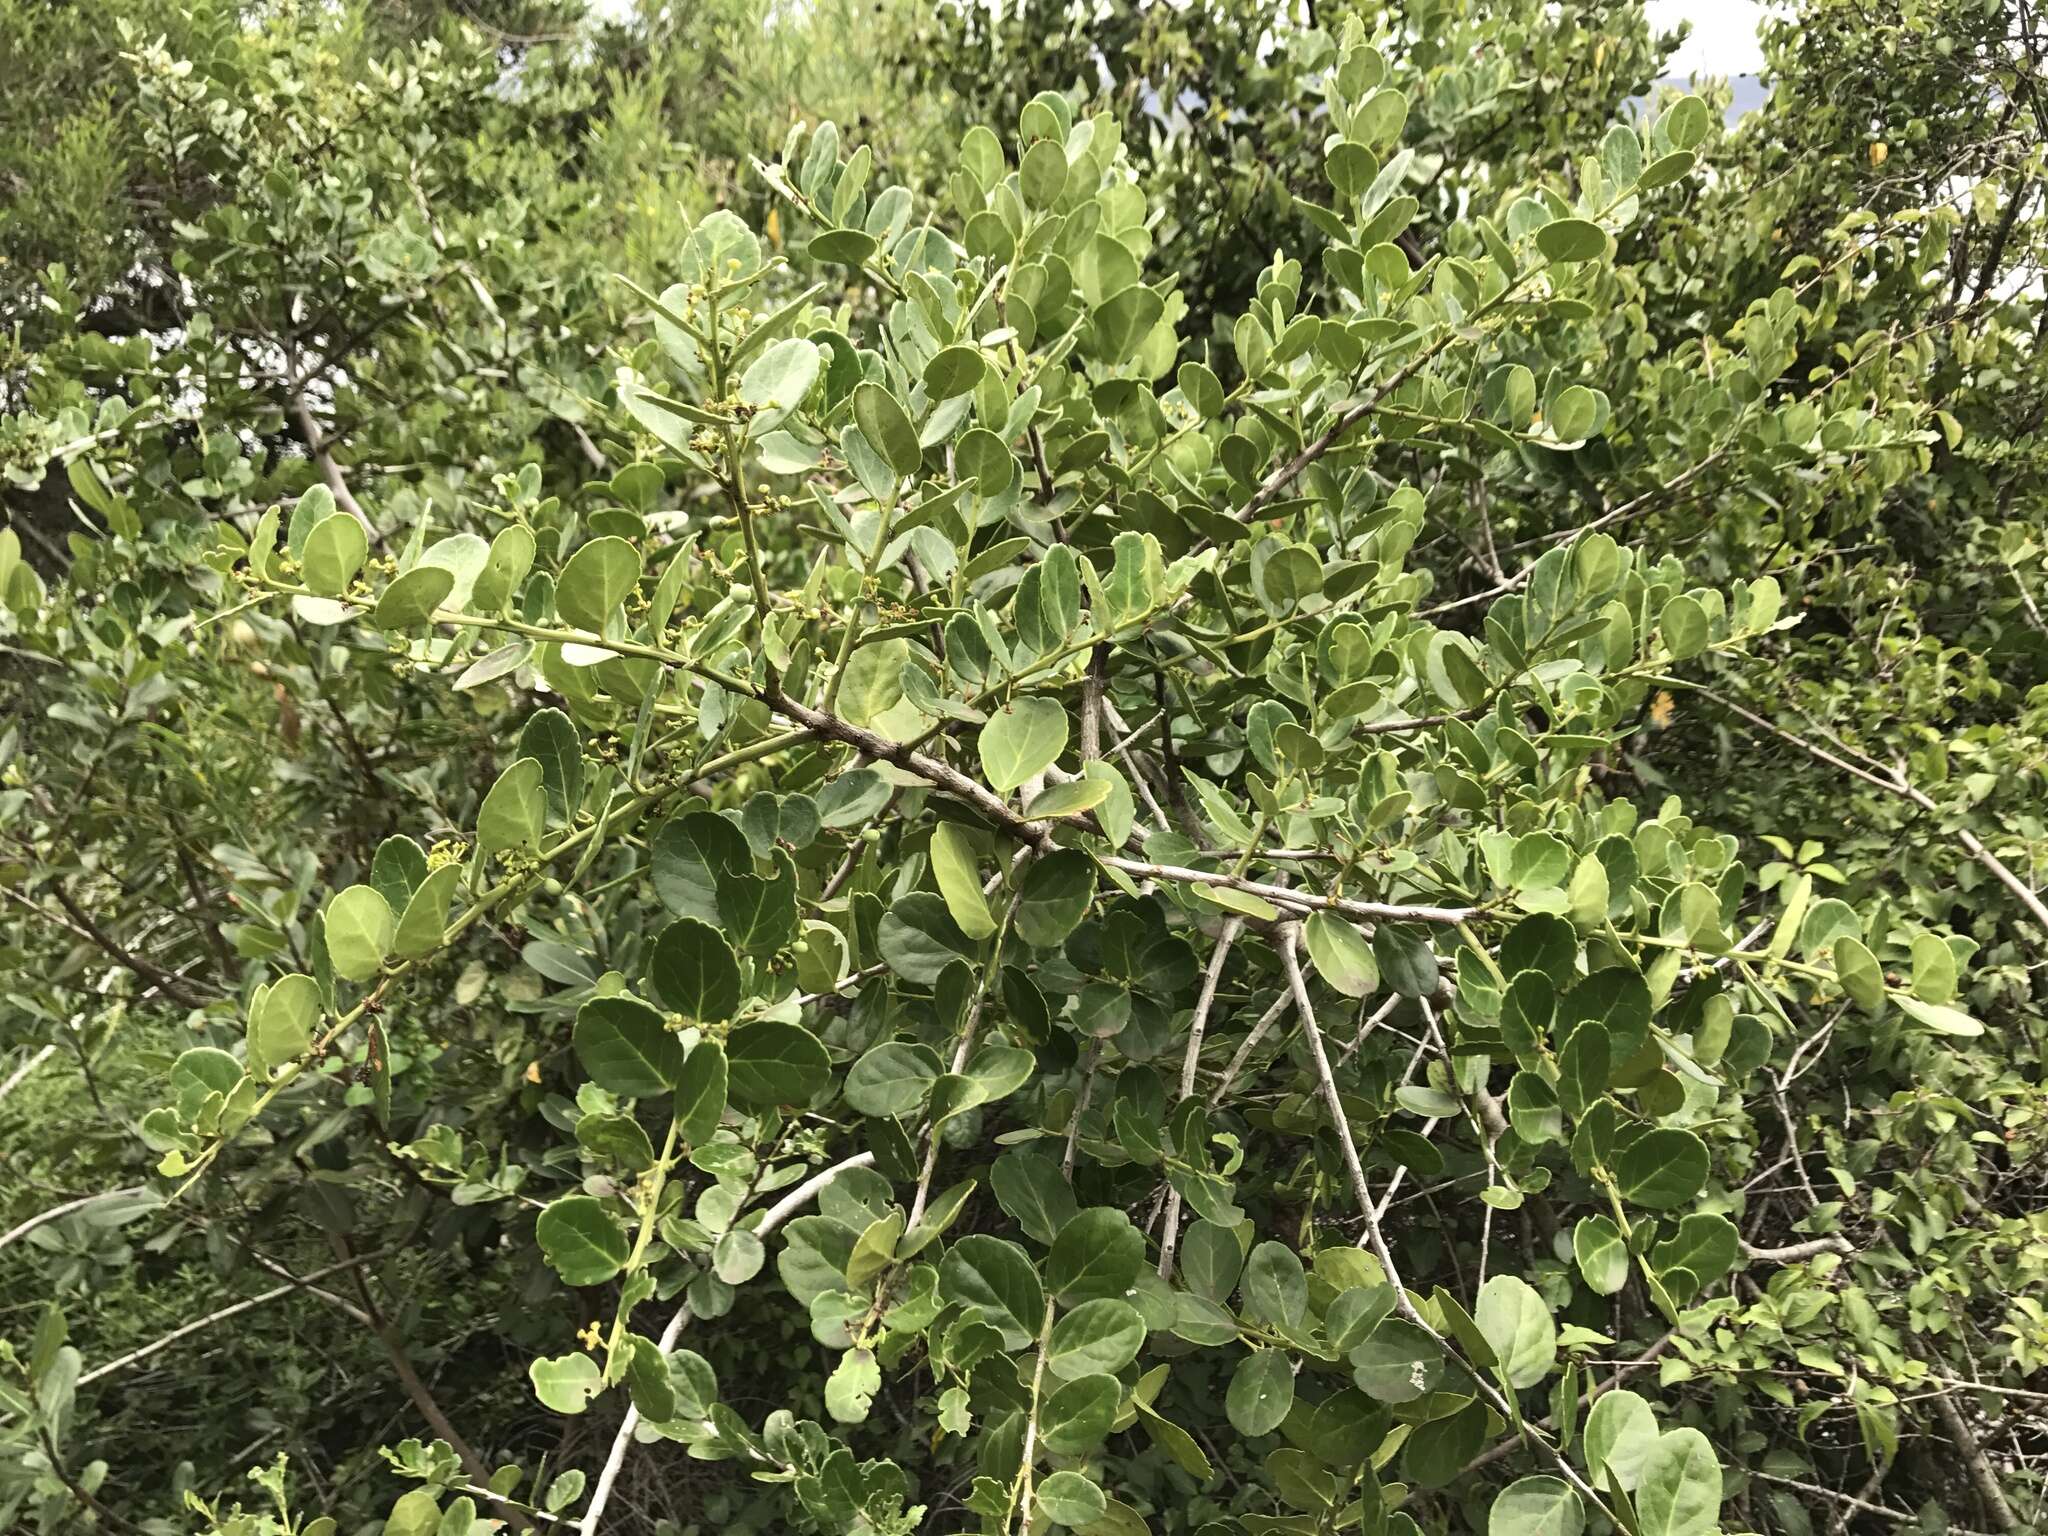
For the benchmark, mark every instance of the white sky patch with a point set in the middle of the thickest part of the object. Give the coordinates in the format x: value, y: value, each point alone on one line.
x: 1723, y: 41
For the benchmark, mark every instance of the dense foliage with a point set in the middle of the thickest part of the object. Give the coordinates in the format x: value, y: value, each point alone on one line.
x: 937, y: 769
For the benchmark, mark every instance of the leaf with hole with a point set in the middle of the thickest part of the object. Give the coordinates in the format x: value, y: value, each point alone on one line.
x: 566, y: 1383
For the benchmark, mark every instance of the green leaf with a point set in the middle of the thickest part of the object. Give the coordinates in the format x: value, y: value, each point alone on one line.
x: 1125, y: 319
x: 418, y: 1512
x: 596, y: 582
x: 1057, y: 889
x: 627, y: 1047
x: 1686, y: 122
x: 1571, y: 240
x: 1104, y: 1335
x: 771, y: 1063
x: 1405, y: 960
x: 995, y: 1072
x: 1275, y: 1287
x: 892, y: 1079
x: 1533, y: 1109
x: 954, y: 371
x: 648, y: 1379
x: 1211, y: 1259
x: 688, y: 855
x: 281, y: 1029
x: 887, y: 427
x: 1261, y: 1391
x: 985, y: 461
x: 396, y: 870
x: 1022, y: 741
x: 692, y: 971
x: 700, y: 1093
x: 719, y: 251
x: 1454, y: 675
x: 1943, y: 1021
x: 695, y: 1383
x: 778, y: 381
x: 1620, y: 1432
x: 1069, y: 1499
x: 953, y: 865
x: 1574, y: 413
x: 1032, y: 1193
x: 360, y: 930
x: 1857, y: 970
x: 1683, y: 625
x: 846, y: 247
x: 994, y: 1280
x: 505, y: 567
x: 919, y: 939
x: 1539, y: 861
x: 1397, y: 1363
x: 944, y: 1210
x: 737, y: 1256
x: 199, y: 1072
x: 335, y: 551
x: 981, y: 154
x: 425, y: 920
x: 1341, y: 955
x: 551, y: 739
x: 514, y: 813
x: 1437, y: 1452
x: 617, y: 1137
x: 1678, y: 1492
x: 1537, y: 1506
x: 1073, y: 797
x: 566, y: 1383
x: 1706, y: 1245
x: 581, y: 1241
x: 1519, y: 1327
x: 1666, y: 169
x: 1042, y: 174
x: 1076, y: 1415
x: 1097, y: 1255
x: 1357, y: 1310
x: 852, y: 1386
x: 411, y: 599
x: 1601, y: 1254
x: 1662, y: 1168
x: 1584, y: 1069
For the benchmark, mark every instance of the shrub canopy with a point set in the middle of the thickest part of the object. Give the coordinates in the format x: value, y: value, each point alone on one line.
x: 1215, y: 773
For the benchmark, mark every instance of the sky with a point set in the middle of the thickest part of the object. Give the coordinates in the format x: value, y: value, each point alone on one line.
x: 1723, y: 40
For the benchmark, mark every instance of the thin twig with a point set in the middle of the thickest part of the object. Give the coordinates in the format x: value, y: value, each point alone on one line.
x: 1893, y: 784
x: 21, y: 1073
x: 1326, y: 1082
x: 222, y: 1315
x: 68, y: 1207
x: 778, y: 1213
x: 1170, y: 1236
